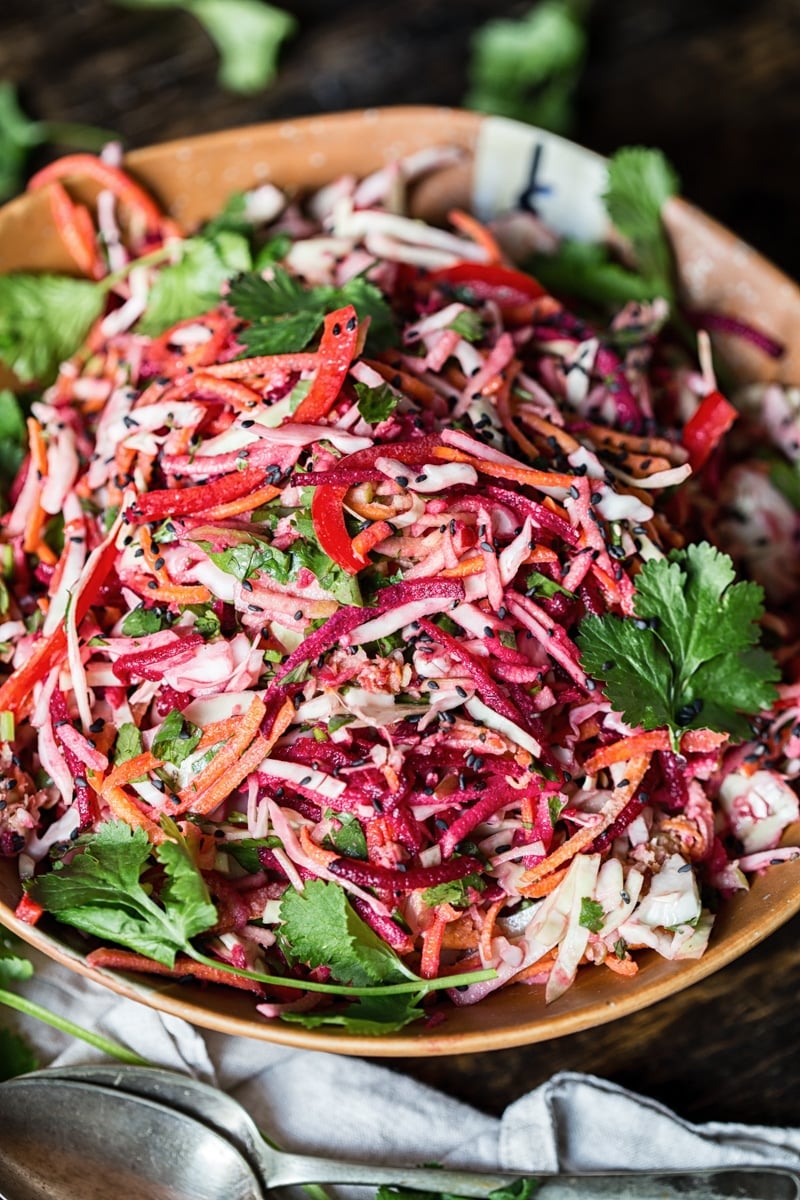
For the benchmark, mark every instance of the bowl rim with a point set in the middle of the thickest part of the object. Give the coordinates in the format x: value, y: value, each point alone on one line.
x: 558, y: 1020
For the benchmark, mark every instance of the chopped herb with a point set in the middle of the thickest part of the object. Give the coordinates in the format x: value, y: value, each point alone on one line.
x: 592, y: 914
x: 376, y: 404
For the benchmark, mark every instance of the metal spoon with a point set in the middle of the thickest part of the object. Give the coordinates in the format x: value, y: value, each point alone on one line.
x: 214, y: 1114
x: 61, y: 1140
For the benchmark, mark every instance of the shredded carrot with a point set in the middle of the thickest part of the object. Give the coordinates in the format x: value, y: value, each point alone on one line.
x: 566, y: 443
x: 176, y: 594
x: 693, y: 741
x: 535, y: 891
x: 404, y: 380
x: 140, y: 764
x: 378, y: 532
x: 487, y: 929
x: 466, y: 567
x: 432, y: 948
x: 584, y: 837
x: 37, y: 446
x: 245, y: 504
x: 128, y: 960
x: 542, y: 966
x: 226, y: 783
x: 146, y: 543
x: 246, y: 729
x: 315, y: 852
x: 505, y: 470
x: 123, y: 808
x: 621, y: 966
x: 465, y: 223
x: 33, y: 528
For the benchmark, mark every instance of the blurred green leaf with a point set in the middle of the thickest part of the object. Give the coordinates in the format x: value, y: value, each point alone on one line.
x: 528, y: 69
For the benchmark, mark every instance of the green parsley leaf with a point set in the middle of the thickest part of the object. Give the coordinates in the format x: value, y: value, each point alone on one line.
x: 468, y: 325
x: 245, y: 851
x: 16, y: 1056
x: 321, y: 928
x: 587, y: 270
x: 696, y: 663
x: 367, y: 1016
x: 376, y: 404
x: 43, y: 320
x: 640, y: 181
x: 192, y: 285
x: 528, y: 69
x: 128, y: 745
x: 141, y: 621
x: 19, y: 135
x: 340, y: 721
x: 555, y: 806
x: 100, y: 892
x: 13, y: 967
x: 546, y: 587
x: 207, y: 623
x: 247, y: 558
x: 176, y: 739
x: 349, y: 838
x: 247, y: 34
x: 456, y: 892
x: 13, y: 438
x: 592, y: 915
x: 285, y: 315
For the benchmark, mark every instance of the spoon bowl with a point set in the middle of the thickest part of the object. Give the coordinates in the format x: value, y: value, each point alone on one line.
x: 67, y: 1140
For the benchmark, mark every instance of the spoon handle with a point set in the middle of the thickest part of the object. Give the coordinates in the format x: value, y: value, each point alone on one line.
x: 755, y: 1183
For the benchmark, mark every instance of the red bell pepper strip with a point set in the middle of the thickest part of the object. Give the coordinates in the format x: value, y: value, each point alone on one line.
x: 327, y: 512
x: 706, y: 428
x: 110, y: 178
x: 337, y: 348
x: 16, y: 692
x: 172, y: 502
x: 488, y: 281
x: 28, y: 910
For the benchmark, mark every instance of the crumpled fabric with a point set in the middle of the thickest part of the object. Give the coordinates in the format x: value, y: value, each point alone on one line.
x: 329, y: 1104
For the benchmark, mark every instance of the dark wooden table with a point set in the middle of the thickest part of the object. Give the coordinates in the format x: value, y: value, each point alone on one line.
x: 714, y: 83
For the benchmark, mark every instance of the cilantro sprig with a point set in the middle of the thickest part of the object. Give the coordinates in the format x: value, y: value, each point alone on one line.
x: 16, y: 1056
x: 640, y: 181
x: 111, y: 889
x: 285, y: 315
x: 689, y: 658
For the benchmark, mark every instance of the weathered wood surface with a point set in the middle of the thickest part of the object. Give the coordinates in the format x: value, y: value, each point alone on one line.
x: 715, y: 85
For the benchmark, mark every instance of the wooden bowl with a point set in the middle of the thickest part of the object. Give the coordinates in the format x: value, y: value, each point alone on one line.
x: 504, y: 164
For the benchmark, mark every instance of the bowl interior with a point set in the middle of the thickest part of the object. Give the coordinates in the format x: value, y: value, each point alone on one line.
x: 193, y: 178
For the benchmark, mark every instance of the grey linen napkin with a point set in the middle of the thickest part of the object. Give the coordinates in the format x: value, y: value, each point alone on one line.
x: 328, y: 1104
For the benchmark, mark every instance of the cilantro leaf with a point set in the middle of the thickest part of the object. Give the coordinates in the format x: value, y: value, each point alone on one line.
x: 285, y: 315
x: 689, y: 658
x: 349, y: 839
x: 640, y: 181
x: 246, y: 559
x: 592, y: 915
x: 176, y: 739
x: 366, y: 1016
x: 456, y: 892
x: 376, y: 404
x: 321, y: 928
x: 193, y: 284
x: 128, y: 744
x: 587, y: 270
x: 245, y: 851
x: 43, y: 320
x: 100, y: 892
x: 544, y: 586
x: 529, y: 68
x: 468, y: 325
x: 13, y: 437
x: 206, y: 623
x: 141, y: 621
x: 13, y: 967
x: 247, y: 34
